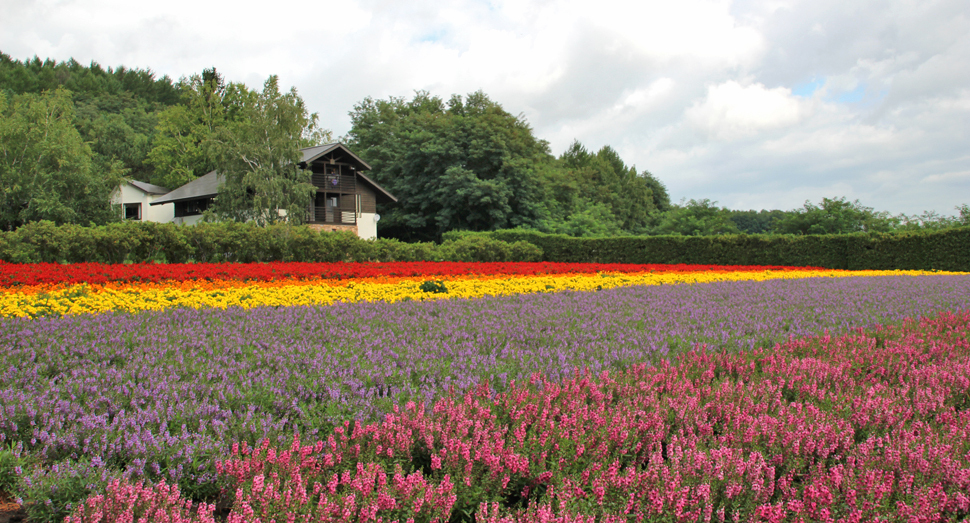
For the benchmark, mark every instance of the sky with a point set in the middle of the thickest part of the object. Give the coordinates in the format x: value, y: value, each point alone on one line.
x: 750, y: 104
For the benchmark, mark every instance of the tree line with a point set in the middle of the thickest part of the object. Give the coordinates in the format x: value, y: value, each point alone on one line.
x: 70, y: 134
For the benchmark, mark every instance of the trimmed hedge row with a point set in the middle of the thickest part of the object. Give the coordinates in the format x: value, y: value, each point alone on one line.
x: 242, y: 242
x: 946, y: 250
x: 136, y: 242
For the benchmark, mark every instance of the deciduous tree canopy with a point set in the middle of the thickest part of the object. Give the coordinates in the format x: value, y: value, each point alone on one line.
x: 47, y: 171
x: 469, y: 165
x: 258, y: 153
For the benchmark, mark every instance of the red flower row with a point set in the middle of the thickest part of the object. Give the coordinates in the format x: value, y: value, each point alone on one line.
x: 97, y: 273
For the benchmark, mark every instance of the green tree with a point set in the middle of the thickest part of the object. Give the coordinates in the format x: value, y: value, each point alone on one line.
x: 931, y: 220
x: 462, y: 165
x: 755, y: 222
x: 114, y: 109
x: 46, y: 169
x: 180, y: 151
x: 835, y: 216
x: 634, y: 200
x: 696, y: 218
x: 119, y: 129
x: 258, y: 154
x: 596, y: 220
x: 85, y: 82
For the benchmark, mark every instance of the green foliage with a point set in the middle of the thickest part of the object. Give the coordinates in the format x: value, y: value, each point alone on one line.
x: 259, y: 155
x: 481, y: 248
x: 931, y: 220
x: 434, y: 287
x: 36, y: 76
x: 137, y: 242
x: 180, y: 152
x: 755, y: 222
x: 62, y: 487
x: 467, y: 164
x: 115, y: 109
x: 596, y: 220
x: 12, y: 462
x: 697, y: 218
x: 119, y: 128
x: 246, y: 242
x: 602, y: 188
x: 834, y: 216
x: 47, y: 172
x: 922, y: 250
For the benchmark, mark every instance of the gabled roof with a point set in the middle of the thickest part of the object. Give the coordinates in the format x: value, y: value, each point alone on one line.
x: 342, y: 154
x: 149, y: 188
x: 316, y: 152
x: 380, y: 190
x: 202, y: 187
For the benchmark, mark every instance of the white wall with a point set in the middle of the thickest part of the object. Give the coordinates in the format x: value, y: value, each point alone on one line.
x: 128, y: 193
x: 163, y: 213
x: 367, y: 226
x: 185, y: 220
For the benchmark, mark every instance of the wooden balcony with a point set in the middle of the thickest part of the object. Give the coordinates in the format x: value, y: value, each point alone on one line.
x: 326, y: 214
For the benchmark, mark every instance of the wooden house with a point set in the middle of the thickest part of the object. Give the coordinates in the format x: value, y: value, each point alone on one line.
x: 346, y: 199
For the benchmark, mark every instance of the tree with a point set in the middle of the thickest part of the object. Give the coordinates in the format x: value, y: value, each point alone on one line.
x: 465, y: 164
x: 603, y: 178
x: 180, y: 151
x: 755, y: 222
x: 595, y: 221
x: 120, y: 129
x: 46, y: 169
x: 932, y: 220
x: 258, y: 154
x: 834, y: 216
x: 696, y: 218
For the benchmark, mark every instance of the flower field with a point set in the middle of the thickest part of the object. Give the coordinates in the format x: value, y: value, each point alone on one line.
x: 499, y: 392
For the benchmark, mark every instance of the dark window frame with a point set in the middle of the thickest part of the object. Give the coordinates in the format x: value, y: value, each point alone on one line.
x: 128, y: 207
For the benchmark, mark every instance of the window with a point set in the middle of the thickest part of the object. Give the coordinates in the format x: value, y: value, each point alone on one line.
x: 191, y: 207
x: 133, y: 211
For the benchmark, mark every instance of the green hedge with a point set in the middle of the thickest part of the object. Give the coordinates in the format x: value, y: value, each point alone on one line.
x: 243, y: 242
x: 947, y: 250
x: 133, y: 242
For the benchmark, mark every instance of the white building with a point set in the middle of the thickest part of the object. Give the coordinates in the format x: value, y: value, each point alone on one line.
x: 135, y: 199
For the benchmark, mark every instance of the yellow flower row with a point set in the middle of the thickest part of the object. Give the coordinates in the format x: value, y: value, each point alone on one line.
x: 81, y: 299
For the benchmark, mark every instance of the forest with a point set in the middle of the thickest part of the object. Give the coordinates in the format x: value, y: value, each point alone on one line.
x: 71, y: 133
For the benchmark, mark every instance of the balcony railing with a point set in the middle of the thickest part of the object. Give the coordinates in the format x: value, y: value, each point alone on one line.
x: 324, y: 214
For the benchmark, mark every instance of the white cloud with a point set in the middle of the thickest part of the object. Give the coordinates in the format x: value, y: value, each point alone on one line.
x: 731, y: 111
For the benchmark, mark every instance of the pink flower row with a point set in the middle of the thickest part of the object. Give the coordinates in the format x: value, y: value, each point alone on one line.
x: 864, y: 427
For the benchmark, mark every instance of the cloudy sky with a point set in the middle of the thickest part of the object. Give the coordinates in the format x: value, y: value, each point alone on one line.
x: 753, y: 104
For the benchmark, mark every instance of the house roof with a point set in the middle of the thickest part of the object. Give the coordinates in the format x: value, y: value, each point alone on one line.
x: 206, y: 186
x: 149, y: 188
x: 380, y: 190
x: 316, y: 152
